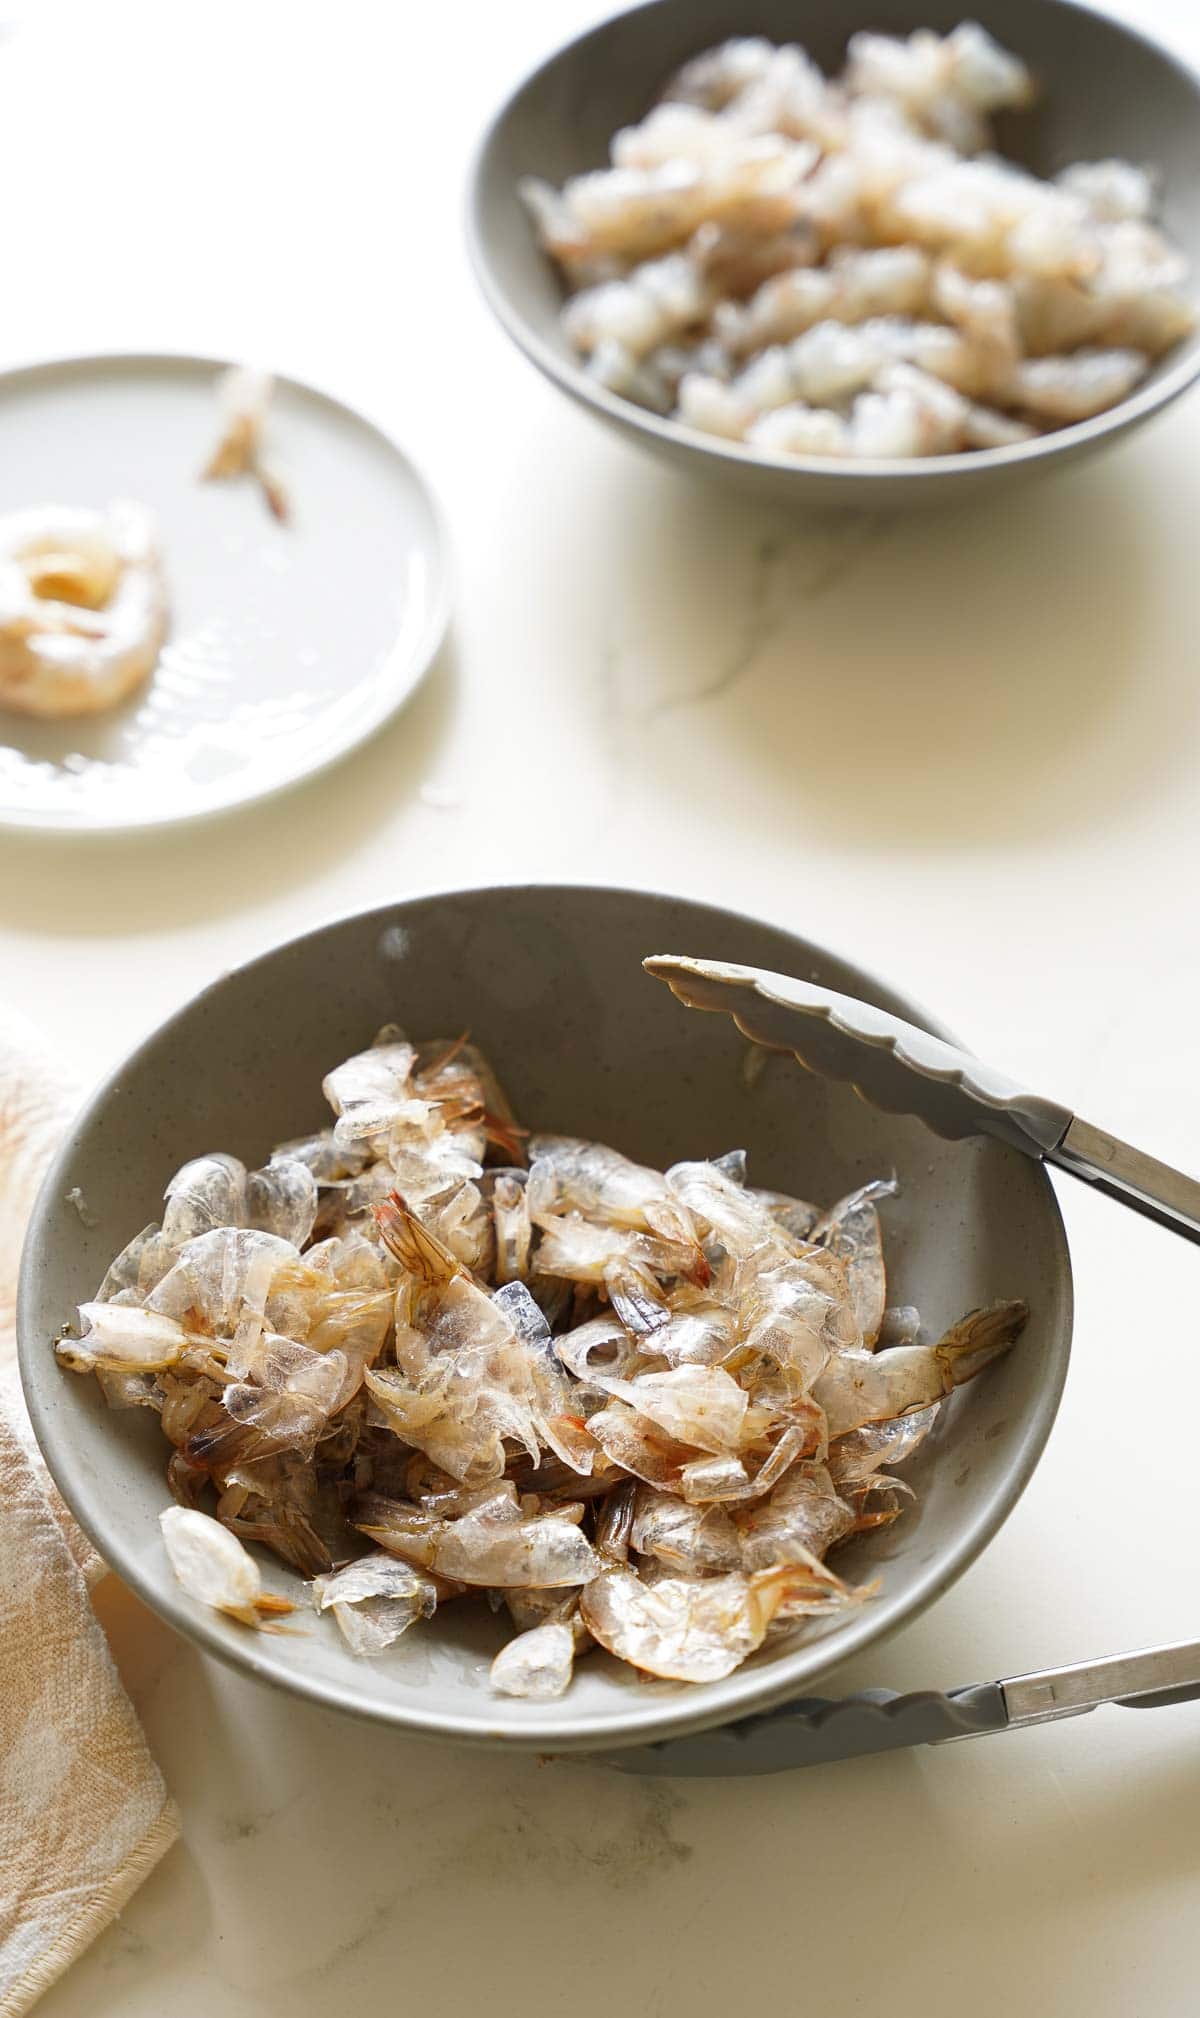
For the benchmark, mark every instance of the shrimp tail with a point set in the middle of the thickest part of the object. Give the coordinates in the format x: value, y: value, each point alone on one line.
x: 413, y: 1245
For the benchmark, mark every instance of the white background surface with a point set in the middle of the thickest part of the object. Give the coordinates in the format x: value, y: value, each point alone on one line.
x: 965, y: 753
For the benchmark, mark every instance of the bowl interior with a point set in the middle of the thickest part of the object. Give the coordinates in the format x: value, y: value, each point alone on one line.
x: 549, y: 981
x: 1105, y: 91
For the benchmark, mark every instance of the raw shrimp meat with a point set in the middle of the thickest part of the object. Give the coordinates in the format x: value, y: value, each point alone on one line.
x: 83, y: 608
x: 423, y: 1356
x: 846, y: 267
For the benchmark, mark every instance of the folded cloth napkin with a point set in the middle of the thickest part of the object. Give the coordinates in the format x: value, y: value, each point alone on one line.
x: 84, y: 1814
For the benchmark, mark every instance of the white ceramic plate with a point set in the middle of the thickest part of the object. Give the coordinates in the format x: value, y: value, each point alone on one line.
x: 289, y: 644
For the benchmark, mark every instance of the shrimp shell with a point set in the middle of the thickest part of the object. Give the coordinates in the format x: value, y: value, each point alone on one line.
x: 213, y: 1567
x: 491, y: 1545
x: 858, y: 1389
x: 698, y: 1631
x: 655, y: 1446
x: 244, y: 396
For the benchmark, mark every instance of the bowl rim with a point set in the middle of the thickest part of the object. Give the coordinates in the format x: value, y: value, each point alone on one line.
x: 571, y: 379
x: 748, y: 1690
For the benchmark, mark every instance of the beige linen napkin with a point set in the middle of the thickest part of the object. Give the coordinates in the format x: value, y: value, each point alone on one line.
x: 84, y: 1814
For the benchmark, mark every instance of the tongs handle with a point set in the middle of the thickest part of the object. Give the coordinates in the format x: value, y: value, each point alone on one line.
x: 1152, y: 1188
x: 816, y: 1731
x: 905, y: 1070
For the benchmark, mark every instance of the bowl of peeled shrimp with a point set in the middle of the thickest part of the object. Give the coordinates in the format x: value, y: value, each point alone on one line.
x: 436, y: 1320
x: 841, y: 267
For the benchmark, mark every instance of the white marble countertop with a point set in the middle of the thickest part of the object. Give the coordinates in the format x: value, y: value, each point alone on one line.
x: 964, y: 752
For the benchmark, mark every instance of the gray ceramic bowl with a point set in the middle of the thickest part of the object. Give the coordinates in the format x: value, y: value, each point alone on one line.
x: 1106, y: 90
x: 550, y: 982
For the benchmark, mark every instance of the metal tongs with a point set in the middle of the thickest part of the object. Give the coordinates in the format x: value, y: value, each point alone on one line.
x: 904, y: 1070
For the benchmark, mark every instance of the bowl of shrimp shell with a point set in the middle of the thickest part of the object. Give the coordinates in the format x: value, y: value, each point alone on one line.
x: 851, y: 267
x: 436, y: 1320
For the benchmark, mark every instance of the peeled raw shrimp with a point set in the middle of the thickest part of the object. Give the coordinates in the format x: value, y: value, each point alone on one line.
x: 897, y: 409
x: 673, y: 132
x: 1112, y: 190
x: 947, y: 84
x: 657, y: 302
x: 736, y: 260
x: 890, y: 169
x: 791, y: 97
x: 1060, y: 315
x: 83, y: 608
x: 997, y: 219
x: 1065, y: 389
x: 638, y: 213
x: 718, y: 75
x: 244, y: 396
x: 640, y: 379
x: 910, y: 412
x: 986, y: 313
x: 711, y: 406
x: 787, y: 96
x: 856, y: 285
x: 794, y: 429
x: 831, y: 363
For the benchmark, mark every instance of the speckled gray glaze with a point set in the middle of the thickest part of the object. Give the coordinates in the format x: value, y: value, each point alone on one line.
x: 549, y: 980
x: 1106, y: 90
